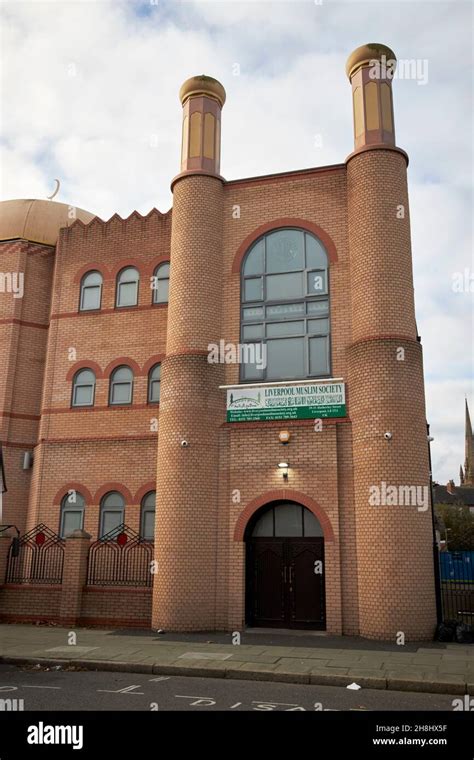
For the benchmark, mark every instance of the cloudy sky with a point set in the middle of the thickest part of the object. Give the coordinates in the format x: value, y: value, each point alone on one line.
x: 90, y: 95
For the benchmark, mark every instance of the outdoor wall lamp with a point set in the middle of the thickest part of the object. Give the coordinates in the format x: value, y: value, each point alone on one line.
x: 284, y: 467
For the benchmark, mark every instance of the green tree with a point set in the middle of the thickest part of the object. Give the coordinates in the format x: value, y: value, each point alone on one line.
x: 459, y: 524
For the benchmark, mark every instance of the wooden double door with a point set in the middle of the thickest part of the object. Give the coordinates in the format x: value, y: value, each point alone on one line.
x: 285, y: 583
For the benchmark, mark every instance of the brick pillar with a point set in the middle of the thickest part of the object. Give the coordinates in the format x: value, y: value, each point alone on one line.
x: 74, y: 576
x: 386, y: 393
x: 191, y: 405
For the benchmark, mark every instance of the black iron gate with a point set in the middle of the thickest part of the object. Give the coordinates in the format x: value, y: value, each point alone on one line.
x: 37, y: 557
x: 120, y: 558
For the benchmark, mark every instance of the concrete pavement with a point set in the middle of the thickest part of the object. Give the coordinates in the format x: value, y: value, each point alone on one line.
x: 436, y: 668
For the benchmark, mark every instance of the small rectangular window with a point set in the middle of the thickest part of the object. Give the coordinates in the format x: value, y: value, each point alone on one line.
x: 317, y: 282
x: 251, y: 371
x: 252, y: 331
x: 162, y: 291
x: 154, y: 392
x: 90, y: 298
x: 277, y: 329
x: 127, y: 294
x: 121, y: 393
x: 285, y: 311
x: 253, y: 289
x: 111, y: 519
x: 318, y: 307
x: 83, y: 395
x: 319, y: 356
x: 148, y: 525
x: 318, y: 326
x: 285, y: 357
x: 253, y: 312
x: 280, y: 286
x: 71, y: 521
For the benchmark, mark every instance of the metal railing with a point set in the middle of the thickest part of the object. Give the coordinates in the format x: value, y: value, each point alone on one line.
x: 120, y: 558
x: 36, y: 557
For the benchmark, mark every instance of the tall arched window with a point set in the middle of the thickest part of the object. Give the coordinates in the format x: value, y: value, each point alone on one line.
x: 147, y: 517
x: 72, y: 513
x: 112, y: 512
x: 121, y: 386
x: 91, y: 291
x: 154, y: 383
x: 161, y: 283
x: 83, y: 388
x: 285, y: 308
x: 127, y: 287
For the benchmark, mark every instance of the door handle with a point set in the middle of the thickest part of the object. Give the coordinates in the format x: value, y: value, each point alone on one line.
x: 291, y: 574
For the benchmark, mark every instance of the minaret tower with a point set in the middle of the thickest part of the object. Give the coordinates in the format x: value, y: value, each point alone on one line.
x: 469, y: 452
x: 385, y: 371
x: 190, y: 401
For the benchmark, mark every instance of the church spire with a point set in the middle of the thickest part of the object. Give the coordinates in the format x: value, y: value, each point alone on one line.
x: 469, y: 452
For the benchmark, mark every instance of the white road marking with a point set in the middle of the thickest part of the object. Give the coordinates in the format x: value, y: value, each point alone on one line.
x: 210, y: 700
x: 236, y: 705
x: 271, y: 702
x: 25, y: 686
x: 8, y: 688
x: 161, y: 678
x: 126, y: 690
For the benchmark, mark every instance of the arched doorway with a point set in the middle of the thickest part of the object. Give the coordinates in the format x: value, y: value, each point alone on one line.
x: 285, y: 568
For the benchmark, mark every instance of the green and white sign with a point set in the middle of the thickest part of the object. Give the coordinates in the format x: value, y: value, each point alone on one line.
x: 286, y: 402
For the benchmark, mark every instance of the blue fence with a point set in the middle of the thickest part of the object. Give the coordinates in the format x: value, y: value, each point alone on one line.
x: 457, y: 566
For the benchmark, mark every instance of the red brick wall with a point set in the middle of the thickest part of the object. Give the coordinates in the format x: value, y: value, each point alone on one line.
x: 124, y: 607
x: 29, y: 604
x: 93, y: 446
x: 23, y: 339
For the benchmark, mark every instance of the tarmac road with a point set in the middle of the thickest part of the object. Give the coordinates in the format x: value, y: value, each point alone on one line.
x: 57, y: 690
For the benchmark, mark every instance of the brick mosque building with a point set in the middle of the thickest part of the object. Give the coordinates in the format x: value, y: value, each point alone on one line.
x: 248, y: 361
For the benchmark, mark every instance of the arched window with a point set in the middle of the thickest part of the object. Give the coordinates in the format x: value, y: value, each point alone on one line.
x: 83, y: 388
x: 287, y: 520
x: 121, y: 386
x: 285, y: 308
x: 112, y: 512
x: 127, y: 287
x: 91, y: 291
x: 147, y: 517
x: 161, y: 283
x: 154, y: 383
x: 72, y: 513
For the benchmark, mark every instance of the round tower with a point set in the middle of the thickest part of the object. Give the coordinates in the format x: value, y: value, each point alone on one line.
x: 191, y: 405
x: 385, y: 371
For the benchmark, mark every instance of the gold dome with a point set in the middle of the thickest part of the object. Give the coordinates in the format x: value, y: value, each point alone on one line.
x: 37, y: 221
x: 202, y: 85
x: 366, y: 53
